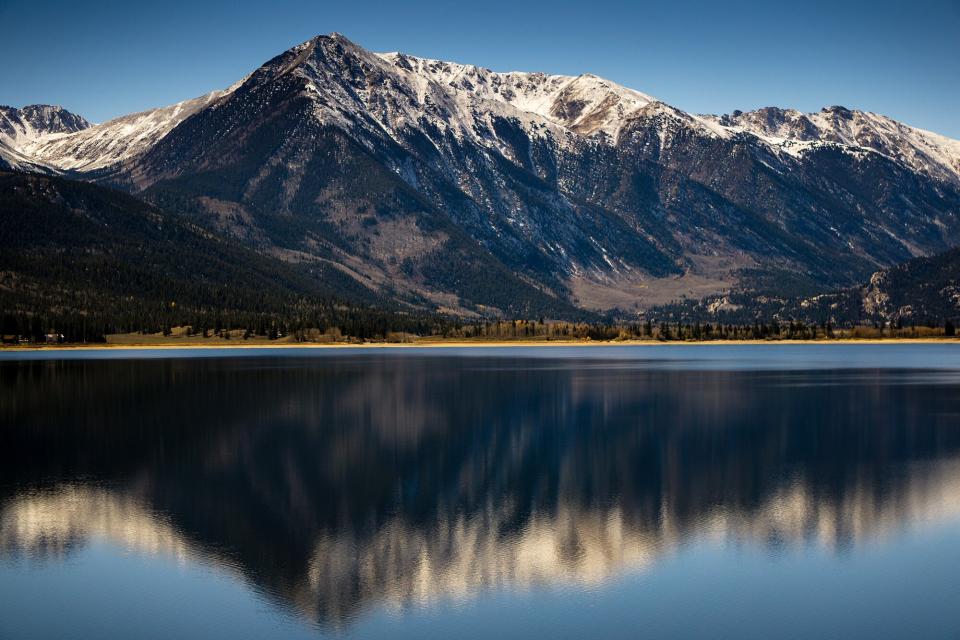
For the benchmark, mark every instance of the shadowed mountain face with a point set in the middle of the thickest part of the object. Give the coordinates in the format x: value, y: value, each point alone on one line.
x: 456, y: 187
x: 337, y: 485
x: 72, y: 249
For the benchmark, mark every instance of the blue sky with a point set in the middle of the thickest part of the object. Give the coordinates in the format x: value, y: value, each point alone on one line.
x: 104, y: 59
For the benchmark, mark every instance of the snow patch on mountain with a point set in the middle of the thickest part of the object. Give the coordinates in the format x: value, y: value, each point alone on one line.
x: 10, y: 158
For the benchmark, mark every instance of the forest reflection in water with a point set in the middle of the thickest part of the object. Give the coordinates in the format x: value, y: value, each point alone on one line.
x: 343, y: 483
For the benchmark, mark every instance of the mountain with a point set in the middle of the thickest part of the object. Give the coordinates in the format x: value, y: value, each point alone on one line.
x: 453, y: 187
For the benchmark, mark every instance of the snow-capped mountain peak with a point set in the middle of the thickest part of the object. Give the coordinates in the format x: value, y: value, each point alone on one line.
x: 585, y: 104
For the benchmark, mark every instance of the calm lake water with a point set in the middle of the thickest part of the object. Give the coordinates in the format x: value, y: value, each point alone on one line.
x: 611, y: 492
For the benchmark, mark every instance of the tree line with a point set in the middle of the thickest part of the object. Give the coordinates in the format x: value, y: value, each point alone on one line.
x: 325, y: 321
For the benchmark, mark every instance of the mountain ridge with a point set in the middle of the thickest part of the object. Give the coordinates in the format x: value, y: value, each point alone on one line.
x: 503, y: 87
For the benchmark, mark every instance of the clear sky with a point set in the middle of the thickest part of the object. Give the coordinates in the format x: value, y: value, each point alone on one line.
x: 900, y: 58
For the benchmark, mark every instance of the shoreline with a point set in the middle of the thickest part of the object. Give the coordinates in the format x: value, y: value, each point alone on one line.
x: 434, y: 344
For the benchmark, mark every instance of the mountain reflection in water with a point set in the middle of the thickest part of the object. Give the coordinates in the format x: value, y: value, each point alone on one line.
x: 339, y: 484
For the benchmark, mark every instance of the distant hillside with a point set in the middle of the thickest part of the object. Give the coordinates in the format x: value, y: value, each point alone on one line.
x: 924, y: 290
x: 80, y: 258
x: 921, y: 291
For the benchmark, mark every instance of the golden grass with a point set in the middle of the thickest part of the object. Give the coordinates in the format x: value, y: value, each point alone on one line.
x: 158, y: 341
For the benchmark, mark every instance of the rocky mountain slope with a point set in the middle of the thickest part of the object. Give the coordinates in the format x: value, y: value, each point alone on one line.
x: 436, y: 183
x: 922, y: 291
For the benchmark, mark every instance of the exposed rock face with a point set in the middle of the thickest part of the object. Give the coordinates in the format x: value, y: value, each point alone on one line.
x: 876, y: 300
x: 924, y: 289
x: 921, y: 291
x: 397, y: 168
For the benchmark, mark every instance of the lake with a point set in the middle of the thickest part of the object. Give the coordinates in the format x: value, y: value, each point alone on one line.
x: 739, y: 491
